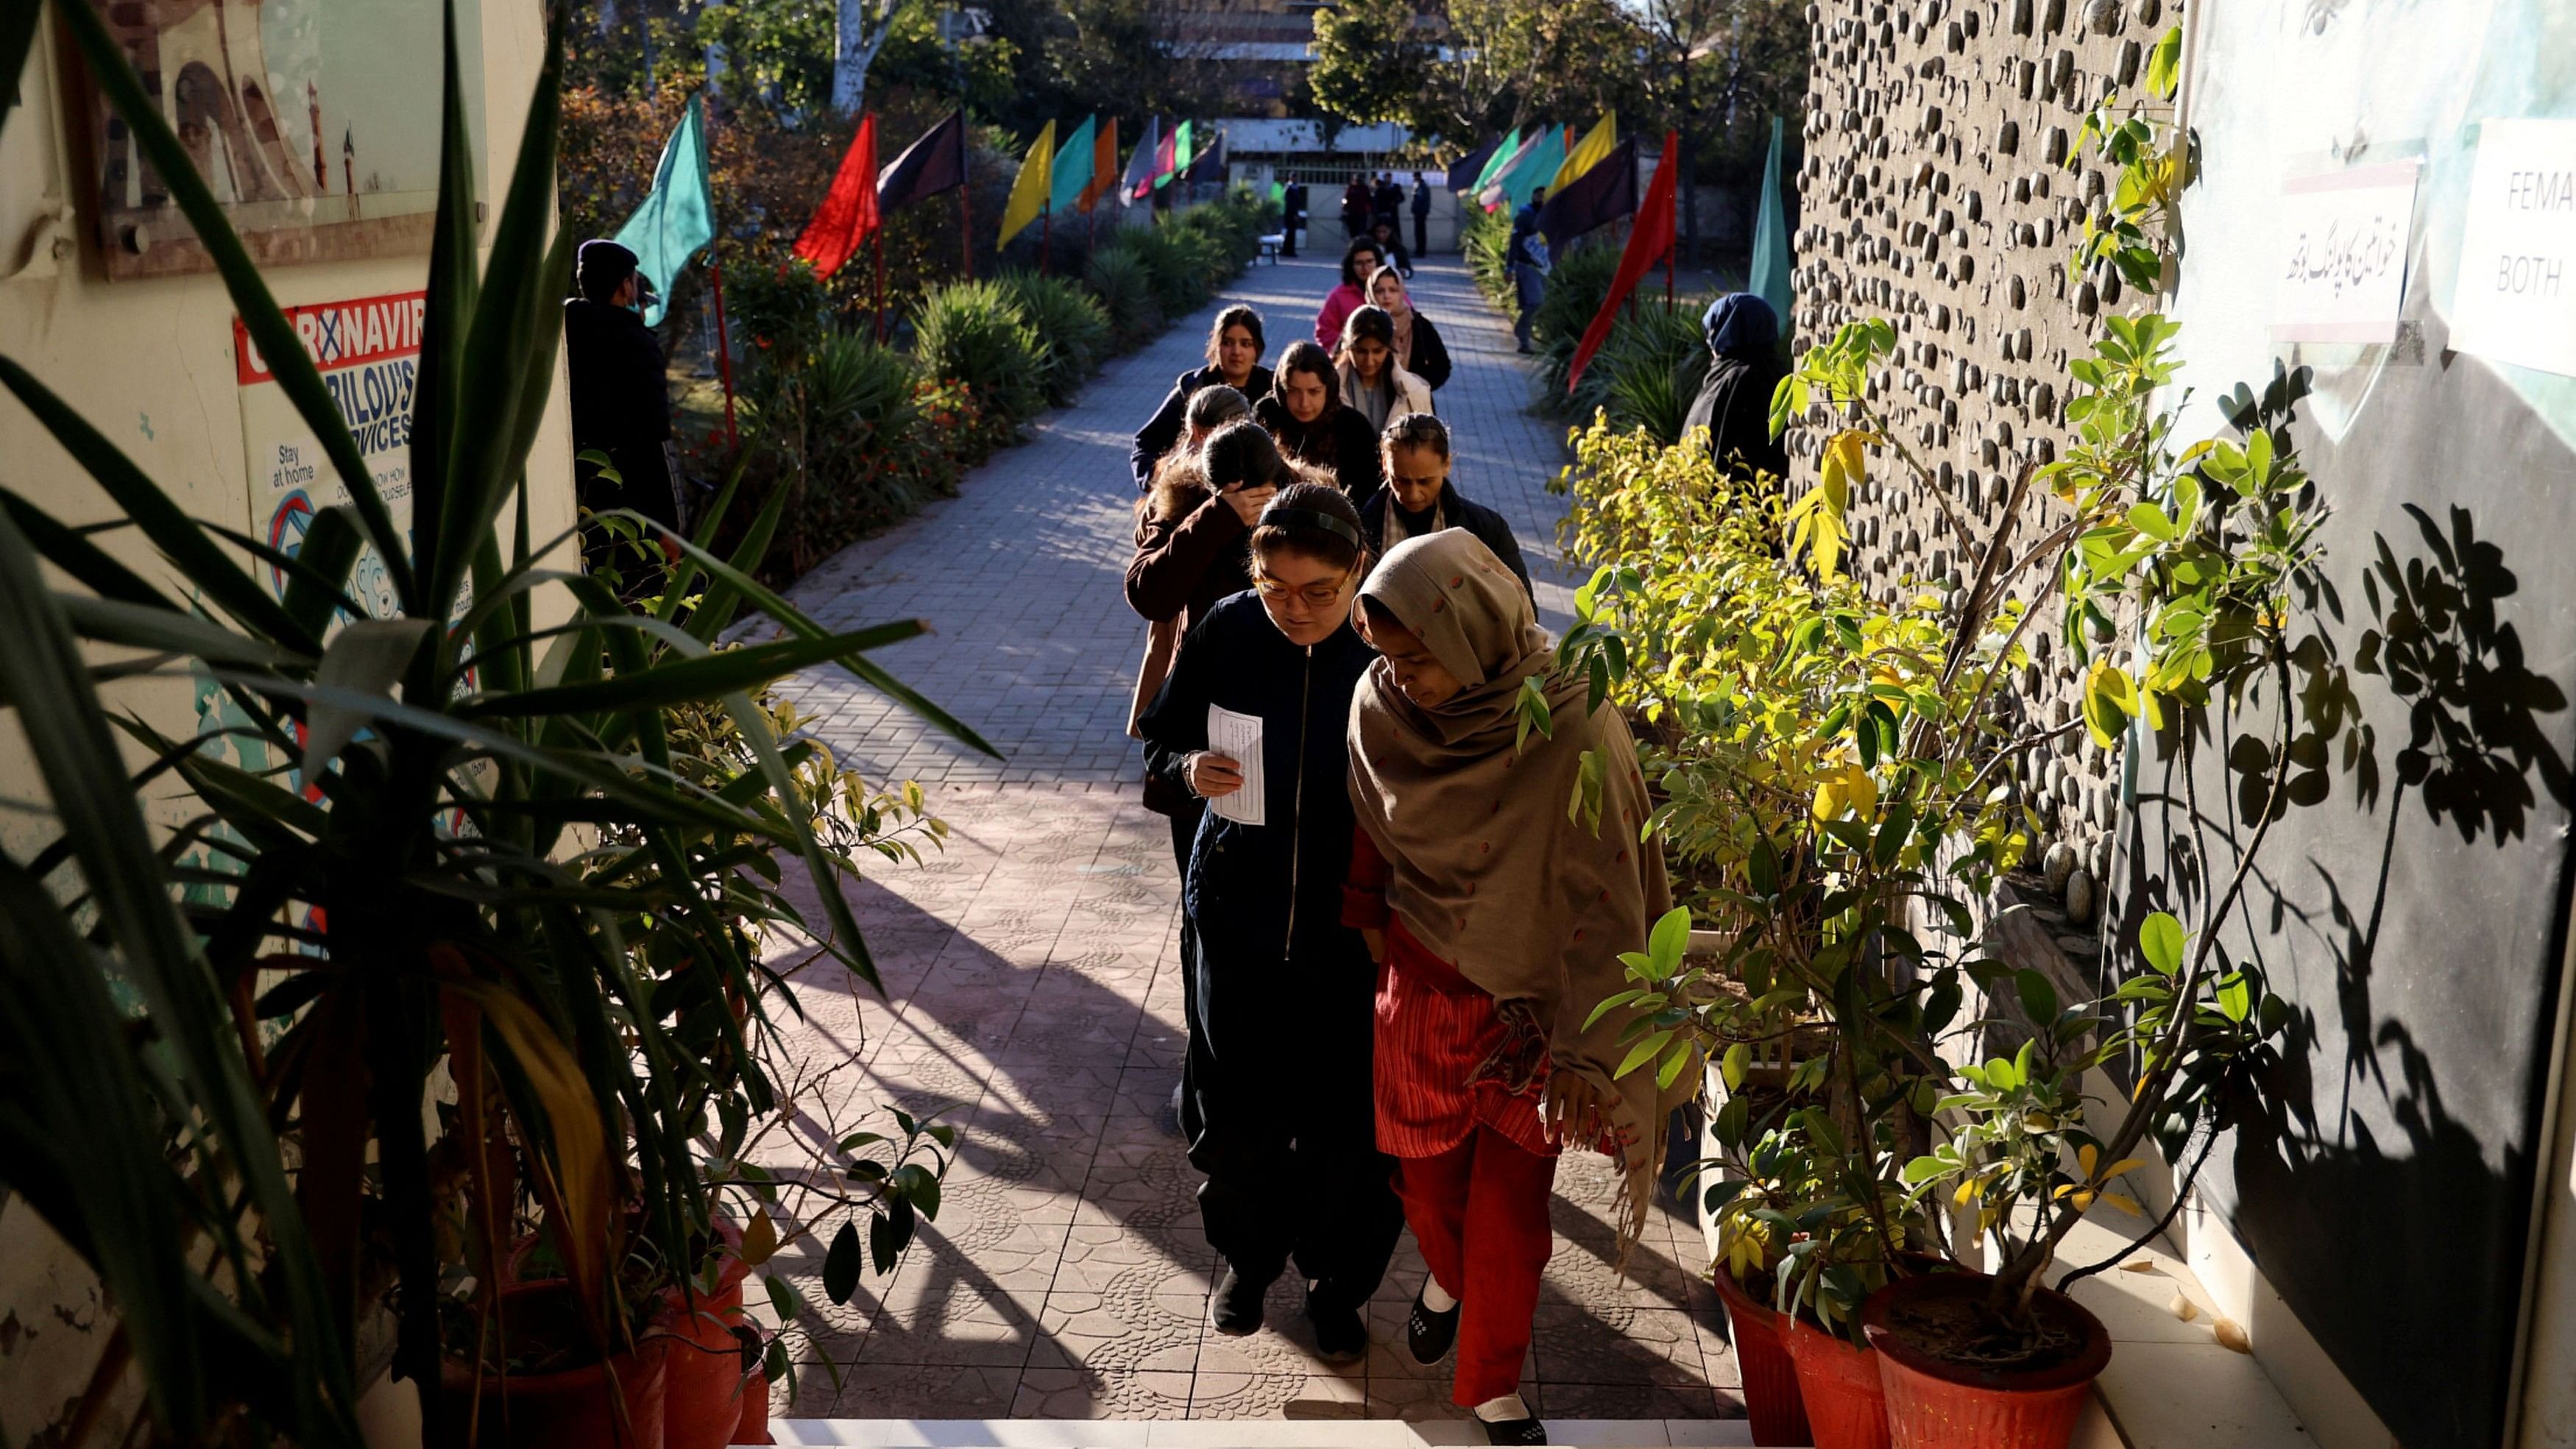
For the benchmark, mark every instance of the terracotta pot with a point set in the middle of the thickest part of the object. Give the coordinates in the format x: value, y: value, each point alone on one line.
x: 707, y: 1393
x: 753, y: 1428
x: 1846, y: 1406
x: 1771, y: 1399
x: 572, y: 1408
x: 1935, y: 1404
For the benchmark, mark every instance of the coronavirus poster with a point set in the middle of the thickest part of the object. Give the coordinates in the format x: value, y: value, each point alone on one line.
x: 369, y: 353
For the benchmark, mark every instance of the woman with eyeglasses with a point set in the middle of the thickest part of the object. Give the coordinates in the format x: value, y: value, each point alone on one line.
x: 1305, y: 416
x: 1418, y: 348
x: 1278, y: 1108
x: 1419, y: 498
x: 1500, y: 917
x: 1372, y: 384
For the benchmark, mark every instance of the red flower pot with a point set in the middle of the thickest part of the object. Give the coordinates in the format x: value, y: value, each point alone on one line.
x: 1846, y: 1407
x: 577, y: 1407
x: 753, y: 1428
x: 1771, y: 1399
x: 1933, y: 1403
x: 707, y: 1393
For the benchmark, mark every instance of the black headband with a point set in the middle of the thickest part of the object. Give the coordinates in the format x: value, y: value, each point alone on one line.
x: 1277, y: 517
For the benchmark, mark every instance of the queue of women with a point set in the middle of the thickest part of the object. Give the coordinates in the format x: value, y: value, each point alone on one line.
x: 1393, y: 933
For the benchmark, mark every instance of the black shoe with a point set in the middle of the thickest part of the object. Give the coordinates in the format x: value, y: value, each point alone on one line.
x: 1525, y: 349
x: 1514, y: 1431
x: 1430, y: 1335
x: 1341, y: 1335
x: 1236, y: 1309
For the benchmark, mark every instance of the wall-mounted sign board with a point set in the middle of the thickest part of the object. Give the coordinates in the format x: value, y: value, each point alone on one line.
x: 2516, y: 296
x: 2340, y: 274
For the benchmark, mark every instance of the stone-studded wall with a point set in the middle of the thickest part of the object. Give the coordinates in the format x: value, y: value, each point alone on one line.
x: 1935, y: 194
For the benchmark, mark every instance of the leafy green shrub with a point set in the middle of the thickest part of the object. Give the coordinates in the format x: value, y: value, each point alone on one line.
x: 1483, y: 239
x: 1071, y: 326
x: 978, y: 334
x: 1648, y: 369
x: 1118, y: 278
x: 1185, y: 264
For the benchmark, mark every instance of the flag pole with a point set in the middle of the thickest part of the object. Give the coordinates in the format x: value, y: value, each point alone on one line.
x: 879, y: 237
x: 965, y: 191
x: 1046, y: 234
x: 715, y: 280
x: 1671, y: 248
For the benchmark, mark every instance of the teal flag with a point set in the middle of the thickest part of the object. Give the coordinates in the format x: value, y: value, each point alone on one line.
x: 679, y: 217
x: 1502, y: 157
x: 1073, y: 168
x: 1534, y: 168
x: 1769, y: 279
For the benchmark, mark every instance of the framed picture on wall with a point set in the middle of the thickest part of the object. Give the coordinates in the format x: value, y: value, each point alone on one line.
x: 315, y: 122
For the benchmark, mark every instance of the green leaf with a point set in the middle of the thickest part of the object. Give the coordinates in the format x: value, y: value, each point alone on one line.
x: 1669, y: 940
x: 842, y: 1263
x: 688, y: 681
x: 2038, y: 998
x: 2160, y: 940
x: 1731, y: 1066
x: 2235, y: 997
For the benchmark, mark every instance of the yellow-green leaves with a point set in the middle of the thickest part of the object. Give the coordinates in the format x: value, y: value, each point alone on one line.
x: 2160, y: 940
x: 2110, y: 702
x: 1818, y: 521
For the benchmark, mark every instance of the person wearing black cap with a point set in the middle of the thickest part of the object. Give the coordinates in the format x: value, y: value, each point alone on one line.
x: 1279, y: 1107
x: 621, y: 404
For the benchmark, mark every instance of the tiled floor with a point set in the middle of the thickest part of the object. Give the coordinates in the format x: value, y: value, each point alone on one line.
x: 1030, y: 981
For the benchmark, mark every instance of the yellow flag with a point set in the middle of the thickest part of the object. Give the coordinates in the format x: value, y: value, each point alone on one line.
x: 1029, y: 192
x: 1588, y: 152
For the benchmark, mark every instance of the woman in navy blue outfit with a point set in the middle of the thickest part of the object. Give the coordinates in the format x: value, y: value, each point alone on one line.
x: 1278, y: 1103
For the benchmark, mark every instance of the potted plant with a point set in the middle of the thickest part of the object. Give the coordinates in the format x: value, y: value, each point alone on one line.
x: 416, y: 842
x: 1839, y: 776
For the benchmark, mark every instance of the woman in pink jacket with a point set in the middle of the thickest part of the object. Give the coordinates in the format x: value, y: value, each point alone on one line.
x: 1359, y: 260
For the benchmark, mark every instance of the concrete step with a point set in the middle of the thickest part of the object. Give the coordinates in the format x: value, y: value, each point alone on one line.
x: 1242, y: 1433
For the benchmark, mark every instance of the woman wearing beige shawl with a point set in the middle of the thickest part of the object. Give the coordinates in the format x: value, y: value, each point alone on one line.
x: 1500, y: 922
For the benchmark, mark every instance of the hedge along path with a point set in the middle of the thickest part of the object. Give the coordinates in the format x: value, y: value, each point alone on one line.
x: 1030, y: 968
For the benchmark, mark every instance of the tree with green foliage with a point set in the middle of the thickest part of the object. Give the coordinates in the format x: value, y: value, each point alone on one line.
x: 1487, y: 65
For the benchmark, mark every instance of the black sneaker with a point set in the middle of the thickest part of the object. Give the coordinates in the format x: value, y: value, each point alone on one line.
x: 1514, y: 1431
x: 1236, y: 1309
x: 1430, y: 1335
x: 1341, y: 1335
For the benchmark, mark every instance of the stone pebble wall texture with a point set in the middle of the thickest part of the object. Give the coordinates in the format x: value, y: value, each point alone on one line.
x: 1936, y: 194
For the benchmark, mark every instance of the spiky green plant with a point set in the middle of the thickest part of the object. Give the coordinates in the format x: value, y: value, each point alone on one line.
x: 463, y: 809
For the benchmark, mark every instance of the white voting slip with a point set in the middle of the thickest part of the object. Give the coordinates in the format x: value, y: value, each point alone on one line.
x: 1238, y: 738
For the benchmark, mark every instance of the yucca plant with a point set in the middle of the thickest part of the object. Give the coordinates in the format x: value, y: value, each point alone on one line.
x: 1070, y: 326
x: 977, y: 334
x: 425, y: 836
x: 1118, y: 277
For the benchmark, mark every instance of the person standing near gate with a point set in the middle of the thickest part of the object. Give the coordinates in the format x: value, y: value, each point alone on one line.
x: 1421, y: 215
x: 1278, y: 1108
x: 621, y: 403
x: 1499, y: 919
x: 1386, y: 201
x: 1292, y: 216
x: 1525, y: 258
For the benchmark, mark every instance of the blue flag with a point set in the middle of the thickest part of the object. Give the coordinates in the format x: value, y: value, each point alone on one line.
x: 679, y: 217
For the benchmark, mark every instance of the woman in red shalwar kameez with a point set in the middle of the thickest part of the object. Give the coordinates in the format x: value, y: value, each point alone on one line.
x: 1499, y: 922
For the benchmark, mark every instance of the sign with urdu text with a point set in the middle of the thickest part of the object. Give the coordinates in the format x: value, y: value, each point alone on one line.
x: 2340, y: 274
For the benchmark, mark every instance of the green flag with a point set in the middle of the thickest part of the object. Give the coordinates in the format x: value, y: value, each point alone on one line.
x: 1182, y: 155
x: 1769, y: 279
x: 1073, y: 162
x: 1502, y: 157
x: 679, y: 217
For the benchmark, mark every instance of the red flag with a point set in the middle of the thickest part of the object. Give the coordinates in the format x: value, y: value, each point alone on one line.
x: 1648, y: 241
x: 849, y: 211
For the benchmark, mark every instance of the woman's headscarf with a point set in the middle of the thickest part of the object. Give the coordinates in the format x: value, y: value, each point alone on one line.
x: 1742, y: 325
x: 1489, y: 870
x: 1401, y: 314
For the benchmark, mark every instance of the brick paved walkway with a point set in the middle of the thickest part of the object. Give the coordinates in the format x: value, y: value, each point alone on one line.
x: 1031, y: 982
